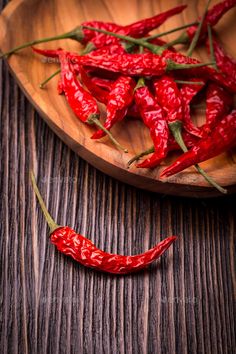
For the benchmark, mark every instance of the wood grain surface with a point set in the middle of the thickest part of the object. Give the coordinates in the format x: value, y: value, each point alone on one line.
x: 184, y: 304
x: 29, y: 69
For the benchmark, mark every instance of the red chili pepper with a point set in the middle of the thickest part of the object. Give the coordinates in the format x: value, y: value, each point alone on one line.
x: 153, y: 117
x: 98, y: 93
x: 212, y: 18
x: 203, y: 72
x: 137, y: 29
x: 224, y: 62
x: 187, y: 92
x: 103, y: 83
x: 119, y: 99
x: 189, y: 141
x: 222, y: 138
x: 82, y: 103
x: 86, y: 253
x: 219, y: 102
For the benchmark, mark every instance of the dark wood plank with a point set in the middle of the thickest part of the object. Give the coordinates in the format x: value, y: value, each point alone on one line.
x: 49, y: 304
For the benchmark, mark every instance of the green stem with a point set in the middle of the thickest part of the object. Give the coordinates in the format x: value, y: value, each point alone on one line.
x: 198, y: 32
x: 76, y: 34
x: 141, y: 42
x: 140, y: 83
x: 182, y: 39
x: 141, y: 154
x: 171, y: 65
x: 212, y: 52
x: 176, y: 129
x: 189, y: 82
x: 154, y: 36
x: 93, y: 119
x: 51, y: 223
x: 49, y: 78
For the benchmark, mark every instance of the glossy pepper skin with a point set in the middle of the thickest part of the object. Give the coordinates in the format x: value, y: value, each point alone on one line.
x: 187, y: 92
x: 219, y: 102
x: 225, y: 63
x: 85, y: 252
x: 98, y: 93
x: 82, y: 103
x: 169, y: 98
x: 222, y: 138
x: 153, y: 117
x: 205, y: 72
x: 212, y: 18
x: 118, y: 101
x: 137, y: 29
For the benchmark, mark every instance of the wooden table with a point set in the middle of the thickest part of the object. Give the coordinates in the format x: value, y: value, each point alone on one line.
x: 50, y: 304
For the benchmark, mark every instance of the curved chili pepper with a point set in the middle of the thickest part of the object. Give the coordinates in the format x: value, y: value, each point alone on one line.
x: 82, y: 103
x: 187, y: 92
x: 118, y: 101
x: 224, y: 62
x: 153, y: 117
x: 189, y: 141
x: 219, y: 102
x: 136, y: 30
x: 222, y: 138
x: 97, y: 92
x: 212, y: 17
x: 86, y: 253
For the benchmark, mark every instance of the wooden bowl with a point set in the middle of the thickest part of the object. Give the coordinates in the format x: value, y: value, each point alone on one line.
x: 23, y: 20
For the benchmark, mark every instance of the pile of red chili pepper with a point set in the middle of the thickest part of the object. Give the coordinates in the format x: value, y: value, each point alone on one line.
x: 136, y: 74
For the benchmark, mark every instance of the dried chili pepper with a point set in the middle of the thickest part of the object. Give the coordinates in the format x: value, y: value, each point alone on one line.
x: 86, y: 253
x: 212, y: 18
x: 119, y: 99
x: 218, y: 103
x: 188, y: 91
x: 82, y: 103
x: 189, y: 141
x: 98, y: 93
x: 169, y: 98
x: 137, y: 29
x: 153, y: 117
x: 224, y: 62
x: 222, y: 138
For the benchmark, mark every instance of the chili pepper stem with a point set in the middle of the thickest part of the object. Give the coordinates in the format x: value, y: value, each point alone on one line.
x: 93, y: 119
x: 49, y: 78
x: 182, y: 39
x: 176, y: 128
x: 189, y: 82
x: 141, y: 154
x: 171, y: 65
x: 76, y: 34
x: 51, y: 223
x: 170, y: 31
x: 152, y: 47
x: 198, y: 32
x: 213, y: 59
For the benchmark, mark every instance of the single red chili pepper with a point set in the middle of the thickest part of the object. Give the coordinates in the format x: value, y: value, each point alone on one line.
x: 82, y: 103
x: 79, y: 33
x: 119, y: 99
x: 86, y: 253
x: 147, y: 64
x: 224, y: 62
x: 212, y: 17
x: 153, y: 117
x: 98, y: 93
x: 136, y: 30
x: 222, y: 138
x: 187, y: 92
x: 219, y: 102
